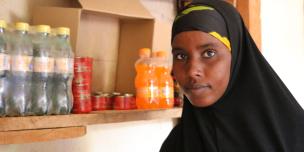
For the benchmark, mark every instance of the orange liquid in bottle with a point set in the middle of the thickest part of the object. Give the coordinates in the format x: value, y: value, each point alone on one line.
x: 166, y: 91
x: 165, y: 82
x: 146, y: 86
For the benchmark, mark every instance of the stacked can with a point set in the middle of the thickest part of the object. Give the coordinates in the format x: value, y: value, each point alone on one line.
x: 81, y: 85
x: 116, y: 101
x: 102, y: 101
x: 124, y: 102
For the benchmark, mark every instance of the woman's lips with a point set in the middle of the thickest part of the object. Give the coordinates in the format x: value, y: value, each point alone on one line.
x: 197, y: 88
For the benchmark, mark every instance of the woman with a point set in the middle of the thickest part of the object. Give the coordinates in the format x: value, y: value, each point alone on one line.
x: 235, y: 102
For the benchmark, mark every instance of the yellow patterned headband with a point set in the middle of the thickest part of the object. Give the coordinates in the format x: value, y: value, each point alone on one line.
x: 202, y: 18
x: 222, y: 39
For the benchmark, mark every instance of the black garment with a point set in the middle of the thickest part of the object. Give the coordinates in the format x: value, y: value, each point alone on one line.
x: 257, y: 113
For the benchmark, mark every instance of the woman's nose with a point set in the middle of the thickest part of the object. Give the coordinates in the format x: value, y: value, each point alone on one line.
x: 194, y: 69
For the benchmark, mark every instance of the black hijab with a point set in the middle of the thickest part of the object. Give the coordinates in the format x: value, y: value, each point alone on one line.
x: 257, y: 113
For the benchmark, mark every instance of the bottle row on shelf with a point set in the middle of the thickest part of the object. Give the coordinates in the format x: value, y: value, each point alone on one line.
x: 36, y: 70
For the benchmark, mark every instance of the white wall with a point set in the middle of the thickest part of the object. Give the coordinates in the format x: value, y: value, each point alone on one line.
x: 283, y: 41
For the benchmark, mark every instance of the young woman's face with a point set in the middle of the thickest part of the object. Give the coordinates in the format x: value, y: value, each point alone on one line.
x: 201, y: 65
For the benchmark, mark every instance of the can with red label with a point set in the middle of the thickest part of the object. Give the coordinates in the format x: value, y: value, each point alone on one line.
x: 108, y: 101
x: 130, y: 102
x: 81, y: 84
x: 97, y: 101
x: 102, y: 101
x: 119, y: 102
x: 82, y: 103
x: 80, y: 89
x: 83, y: 64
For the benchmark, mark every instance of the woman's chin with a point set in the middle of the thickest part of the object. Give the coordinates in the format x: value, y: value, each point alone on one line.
x: 200, y: 101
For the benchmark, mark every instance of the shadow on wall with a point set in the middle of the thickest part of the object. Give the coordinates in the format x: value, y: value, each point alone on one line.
x: 21, y: 10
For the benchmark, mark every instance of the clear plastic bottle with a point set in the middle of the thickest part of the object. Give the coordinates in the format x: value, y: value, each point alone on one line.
x: 62, y: 102
x: 20, y: 74
x: 43, y: 69
x: 4, y: 65
x: 146, y: 81
x: 165, y: 81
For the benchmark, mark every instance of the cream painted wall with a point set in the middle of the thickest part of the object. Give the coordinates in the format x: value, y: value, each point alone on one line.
x: 283, y: 41
x: 141, y: 136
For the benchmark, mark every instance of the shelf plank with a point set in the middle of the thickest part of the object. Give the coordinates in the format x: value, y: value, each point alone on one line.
x: 60, y: 121
x: 41, y: 135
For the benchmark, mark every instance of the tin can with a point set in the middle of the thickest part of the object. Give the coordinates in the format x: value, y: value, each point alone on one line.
x: 82, y: 78
x: 108, y: 101
x: 82, y: 103
x: 119, y: 102
x: 96, y: 102
x: 81, y: 84
x: 83, y: 64
x: 81, y: 88
x: 102, y: 102
x: 130, y: 102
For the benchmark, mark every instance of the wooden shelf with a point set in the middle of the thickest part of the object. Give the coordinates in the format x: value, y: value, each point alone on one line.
x: 46, y: 128
x: 40, y: 135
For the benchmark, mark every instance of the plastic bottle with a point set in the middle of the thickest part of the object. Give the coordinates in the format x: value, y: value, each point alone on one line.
x: 4, y: 65
x: 20, y: 74
x: 64, y: 63
x: 146, y: 82
x: 43, y: 69
x: 165, y: 81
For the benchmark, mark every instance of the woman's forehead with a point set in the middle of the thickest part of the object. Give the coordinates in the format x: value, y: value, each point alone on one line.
x: 195, y: 39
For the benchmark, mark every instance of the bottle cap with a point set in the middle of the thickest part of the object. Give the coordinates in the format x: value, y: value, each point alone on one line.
x: 2, y: 24
x: 22, y: 26
x: 63, y: 31
x: 43, y: 29
x: 161, y: 54
x: 145, y: 52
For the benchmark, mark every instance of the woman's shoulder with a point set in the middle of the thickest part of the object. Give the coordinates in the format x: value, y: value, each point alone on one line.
x: 173, y: 141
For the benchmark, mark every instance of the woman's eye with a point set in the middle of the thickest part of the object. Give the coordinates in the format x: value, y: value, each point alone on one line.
x: 209, y: 53
x: 180, y: 56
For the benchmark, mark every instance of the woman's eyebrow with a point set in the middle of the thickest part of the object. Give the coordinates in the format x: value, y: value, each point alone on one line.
x: 206, y: 45
x: 175, y: 49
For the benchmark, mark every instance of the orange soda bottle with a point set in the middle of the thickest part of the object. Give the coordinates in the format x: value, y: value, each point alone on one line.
x: 146, y: 81
x: 165, y: 81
